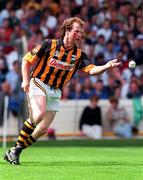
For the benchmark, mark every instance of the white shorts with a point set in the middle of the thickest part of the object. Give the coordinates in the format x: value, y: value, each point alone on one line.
x: 53, y: 96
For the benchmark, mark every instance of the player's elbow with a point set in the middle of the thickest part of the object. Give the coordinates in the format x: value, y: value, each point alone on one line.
x: 92, y: 71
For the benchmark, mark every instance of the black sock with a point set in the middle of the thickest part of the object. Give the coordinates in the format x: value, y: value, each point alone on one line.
x: 25, y: 133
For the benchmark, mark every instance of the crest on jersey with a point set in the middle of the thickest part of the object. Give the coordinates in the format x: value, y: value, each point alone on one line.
x: 56, y: 54
x: 73, y: 58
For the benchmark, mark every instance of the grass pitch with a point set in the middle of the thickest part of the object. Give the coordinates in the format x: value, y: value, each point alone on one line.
x: 78, y: 160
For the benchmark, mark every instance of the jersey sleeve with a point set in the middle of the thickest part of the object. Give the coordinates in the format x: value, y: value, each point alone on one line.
x: 31, y: 56
x: 37, y: 52
x: 85, y: 64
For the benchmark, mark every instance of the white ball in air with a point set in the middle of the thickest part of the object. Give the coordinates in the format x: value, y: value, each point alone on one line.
x: 132, y: 64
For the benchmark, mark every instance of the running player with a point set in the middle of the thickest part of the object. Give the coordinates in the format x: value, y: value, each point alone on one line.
x: 54, y: 63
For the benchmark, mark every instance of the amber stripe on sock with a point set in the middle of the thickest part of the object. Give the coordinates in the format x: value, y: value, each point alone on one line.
x: 29, y: 141
x: 25, y: 132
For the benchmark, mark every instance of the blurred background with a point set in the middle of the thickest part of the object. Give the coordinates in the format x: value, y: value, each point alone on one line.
x: 113, y: 29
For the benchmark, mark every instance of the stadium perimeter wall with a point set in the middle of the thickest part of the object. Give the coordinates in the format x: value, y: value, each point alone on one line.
x: 67, y: 119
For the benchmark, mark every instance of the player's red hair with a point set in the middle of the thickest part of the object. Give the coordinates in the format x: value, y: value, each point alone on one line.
x: 67, y: 25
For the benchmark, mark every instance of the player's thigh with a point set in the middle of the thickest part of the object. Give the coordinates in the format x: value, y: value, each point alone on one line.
x: 37, y: 97
x: 38, y: 104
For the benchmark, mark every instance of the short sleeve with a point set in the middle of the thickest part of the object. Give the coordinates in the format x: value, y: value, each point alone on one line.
x: 85, y: 64
x: 31, y: 56
x: 37, y: 52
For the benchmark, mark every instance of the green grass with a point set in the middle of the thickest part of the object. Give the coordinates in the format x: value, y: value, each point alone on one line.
x: 78, y: 160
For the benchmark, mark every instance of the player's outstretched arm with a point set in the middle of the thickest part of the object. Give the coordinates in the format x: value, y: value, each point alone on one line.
x: 100, y: 69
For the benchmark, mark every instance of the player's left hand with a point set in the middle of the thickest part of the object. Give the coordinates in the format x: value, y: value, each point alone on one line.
x: 113, y: 63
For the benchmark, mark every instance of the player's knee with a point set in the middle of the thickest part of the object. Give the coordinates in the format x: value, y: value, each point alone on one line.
x: 38, y: 115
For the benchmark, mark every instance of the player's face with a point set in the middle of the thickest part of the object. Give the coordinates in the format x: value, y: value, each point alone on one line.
x: 75, y: 35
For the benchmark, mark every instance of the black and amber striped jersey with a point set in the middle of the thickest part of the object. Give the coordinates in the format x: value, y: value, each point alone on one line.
x: 54, y: 65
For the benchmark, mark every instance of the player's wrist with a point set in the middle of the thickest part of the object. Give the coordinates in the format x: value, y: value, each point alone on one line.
x: 107, y: 66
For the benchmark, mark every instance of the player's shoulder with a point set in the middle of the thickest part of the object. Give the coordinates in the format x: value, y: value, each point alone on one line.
x: 47, y: 42
x: 57, y: 42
